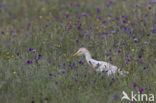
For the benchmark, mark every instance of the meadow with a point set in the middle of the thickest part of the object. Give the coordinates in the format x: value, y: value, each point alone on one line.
x: 38, y: 38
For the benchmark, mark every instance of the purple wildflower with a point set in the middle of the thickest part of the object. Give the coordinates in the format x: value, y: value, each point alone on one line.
x: 85, y: 76
x: 85, y: 14
x: 141, y: 90
x: 146, y: 43
x: 30, y: 49
x: 76, y: 74
x: 98, y: 10
x: 63, y: 70
x: 94, y: 81
x: 134, y: 85
x: 86, y: 84
x: 149, y: 6
x: 116, y: 96
x: 76, y: 79
x: 81, y: 62
x: 140, y: 56
x: 29, y: 62
x: 17, y: 53
x: 135, y: 39
x: 50, y: 74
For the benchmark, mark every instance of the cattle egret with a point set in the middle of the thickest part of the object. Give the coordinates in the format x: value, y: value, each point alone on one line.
x: 99, y: 66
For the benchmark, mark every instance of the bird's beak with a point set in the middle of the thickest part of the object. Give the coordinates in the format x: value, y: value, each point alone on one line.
x: 75, y: 54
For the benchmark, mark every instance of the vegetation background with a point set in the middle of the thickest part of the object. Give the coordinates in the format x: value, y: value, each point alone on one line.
x: 38, y: 38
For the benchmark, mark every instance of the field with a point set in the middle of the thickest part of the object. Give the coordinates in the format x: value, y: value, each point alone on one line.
x: 39, y: 37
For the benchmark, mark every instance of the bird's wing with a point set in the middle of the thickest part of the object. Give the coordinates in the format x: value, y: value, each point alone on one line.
x: 94, y: 63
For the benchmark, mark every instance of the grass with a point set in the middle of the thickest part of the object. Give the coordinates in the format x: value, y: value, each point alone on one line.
x: 38, y: 38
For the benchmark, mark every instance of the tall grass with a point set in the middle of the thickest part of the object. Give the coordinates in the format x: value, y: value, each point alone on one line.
x: 38, y: 38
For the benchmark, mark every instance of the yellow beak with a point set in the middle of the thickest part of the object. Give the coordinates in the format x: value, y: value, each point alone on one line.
x: 75, y: 54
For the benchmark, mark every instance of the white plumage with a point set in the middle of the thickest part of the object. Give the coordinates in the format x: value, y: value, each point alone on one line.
x: 99, y: 65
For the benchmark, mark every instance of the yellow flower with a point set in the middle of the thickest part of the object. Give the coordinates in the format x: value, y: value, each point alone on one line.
x: 67, y: 12
x: 43, y: 9
x: 40, y: 17
x: 109, y: 18
x: 132, y: 50
x: 90, y: 45
x: 55, y: 6
x: 58, y: 46
x: 7, y: 53
x: 65, y: 54
x: 12, y: 56
x: 83, y: 23
x: 7, y: 33
x: 70, y: 22
x: 104, y: 26
x: 68, y: 60
x: 126, y: 24
x: 48, y: 17
x: 98, y: 20
x: 129, y: 21
x: 97, y: 27
x: 14, y: 72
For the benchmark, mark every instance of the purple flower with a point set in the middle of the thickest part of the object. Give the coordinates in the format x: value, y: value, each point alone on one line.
x: 146, y: 42
x: 64, y: 64
x: 140, y: 56
x: 50, y: 74
x: 33, y: 50
x: 78, y: 4
x: 141, y: 90
x: 119, y: 51
x: 56, y: 82
x: 154, y: 31
x: 149, y: 6
x: 107, y: 53
x: 135, y: 39
x: 98, y: 10
x: 29, y: 62
x: 63, y: 70
x: 123, y: 43
x: 101, y: 26
x: 28, y: 26
x: 94, y: 81
x: 110, y: 83
x: 154, y: 44
x: 117, y: 18
x: 85, y: 14
x: 17, y: 53
x: 30, y: 49
x: 39, y: 56
x: 76, y: 74
x: 116, y: 96
x: 76, y: 79
x: 110, y: 59
x: 134, y: 85
x: 85, y: 76
x: 86, y: 84
x: 145, y: 68
x: 80, y: 62
x: 153, y: 0
x: 77, y: 41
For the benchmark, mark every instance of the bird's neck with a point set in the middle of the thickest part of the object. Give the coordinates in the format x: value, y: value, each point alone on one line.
x: 88, y: 56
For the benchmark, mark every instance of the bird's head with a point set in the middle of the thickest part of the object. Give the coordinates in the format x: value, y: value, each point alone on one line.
x: 81, y: 52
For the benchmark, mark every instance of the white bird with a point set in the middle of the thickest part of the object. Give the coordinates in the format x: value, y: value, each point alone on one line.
x: 100, y: 66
